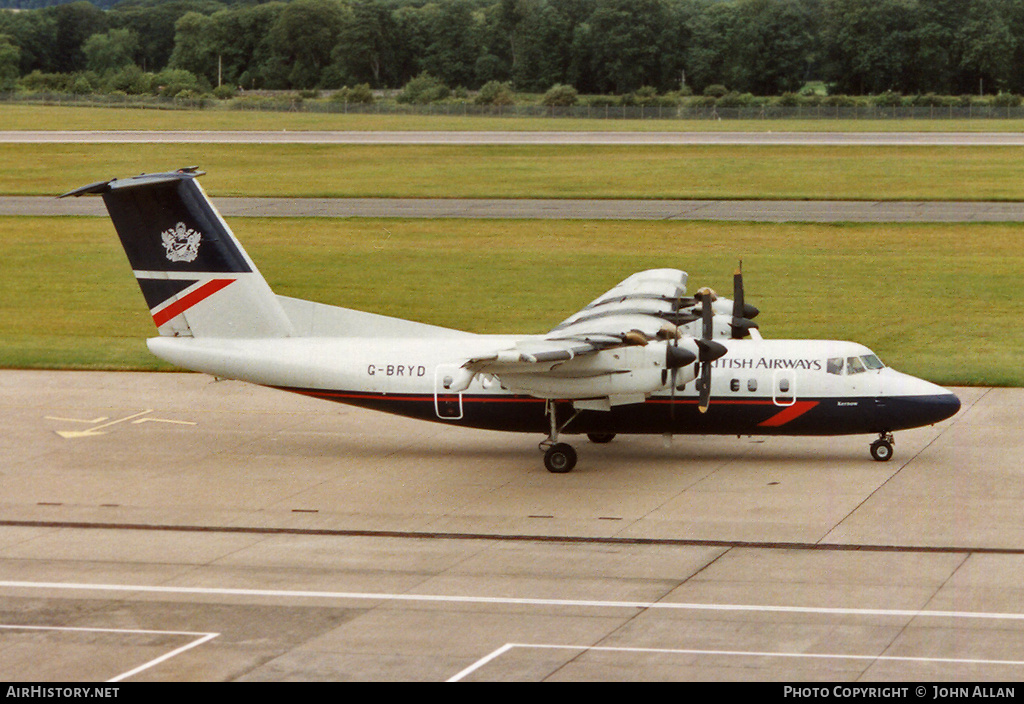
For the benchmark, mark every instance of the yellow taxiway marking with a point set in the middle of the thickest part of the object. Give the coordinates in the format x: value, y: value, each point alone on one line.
x: 100, y: 429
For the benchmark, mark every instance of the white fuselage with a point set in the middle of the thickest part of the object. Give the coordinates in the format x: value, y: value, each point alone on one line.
x: 772, y: 382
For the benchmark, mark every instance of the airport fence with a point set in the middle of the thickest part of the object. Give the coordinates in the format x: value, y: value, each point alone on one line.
x: 293, y: 103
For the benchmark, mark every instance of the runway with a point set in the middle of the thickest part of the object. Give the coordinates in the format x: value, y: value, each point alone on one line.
x: 568, y: 137
x: 172, y: 527
x: 562, y: 209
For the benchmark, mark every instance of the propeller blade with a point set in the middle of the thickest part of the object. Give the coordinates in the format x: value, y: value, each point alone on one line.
x: 737, y: 291
x: 705, y: 387
x: 707, y: 314
x: 709, y: 352
x: 672, y: 358
x: 740, y: 325
x: 672, y: 397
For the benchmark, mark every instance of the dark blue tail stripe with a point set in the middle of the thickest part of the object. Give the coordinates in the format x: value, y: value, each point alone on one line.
x: 169, y: 225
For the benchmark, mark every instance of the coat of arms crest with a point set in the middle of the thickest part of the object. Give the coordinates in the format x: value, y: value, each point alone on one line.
x: 181, y: 243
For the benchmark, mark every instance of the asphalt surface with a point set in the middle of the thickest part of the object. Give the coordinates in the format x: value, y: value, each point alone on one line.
x: 168, y: 527
x: 725, y: 210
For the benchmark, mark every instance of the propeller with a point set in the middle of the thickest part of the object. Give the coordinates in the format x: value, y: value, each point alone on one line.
x: 709, y: 350
x: 675, y: 357
x: 741, y: 312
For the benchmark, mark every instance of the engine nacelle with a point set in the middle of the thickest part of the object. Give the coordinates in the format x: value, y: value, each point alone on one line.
x: 628, y: 373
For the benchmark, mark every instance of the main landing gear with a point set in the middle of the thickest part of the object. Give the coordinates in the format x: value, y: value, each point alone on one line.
x: 881, y: 449
x: 559, y: 457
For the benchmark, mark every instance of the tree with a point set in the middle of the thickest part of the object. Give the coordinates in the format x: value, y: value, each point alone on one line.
x: 241, y: 38
x: 111, y: 50
x: 153, y: 22
x: 869, y: 44
x: 542, y: 48
x: 773, y: 47
x: 34, y: 34
x: 365, y: 52
x: 712, y: 30
x: 626, y: 42
x: 302, y: 41
x: 73, y: 24
x: 193, y: 46
x: 10, y: 58
x: 452, y: 52
x: 987, y: 46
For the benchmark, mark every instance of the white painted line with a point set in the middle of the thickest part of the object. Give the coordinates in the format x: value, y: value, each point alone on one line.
x: 484, y: 660
x: 202, y: 638
x: 206, y: 637
x: 455, y: 599
x: 726, y: 653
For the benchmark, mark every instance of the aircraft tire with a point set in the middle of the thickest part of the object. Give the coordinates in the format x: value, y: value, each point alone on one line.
x: 560, y: 458
x: 601, y: 438
x: 881, y: 450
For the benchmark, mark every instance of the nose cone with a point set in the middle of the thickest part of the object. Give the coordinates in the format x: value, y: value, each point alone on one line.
x: 917, y: 403
x: 932, y: 409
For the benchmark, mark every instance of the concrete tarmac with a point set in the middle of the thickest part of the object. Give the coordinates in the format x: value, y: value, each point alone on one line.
x: 174, y: 527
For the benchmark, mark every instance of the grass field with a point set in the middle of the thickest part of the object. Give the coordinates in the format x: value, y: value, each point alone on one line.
x: 942, y: 302
x: 772, y: 172
x: 15, y: 116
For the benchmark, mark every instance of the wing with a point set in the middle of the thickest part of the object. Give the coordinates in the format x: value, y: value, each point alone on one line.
x: 642, y: 308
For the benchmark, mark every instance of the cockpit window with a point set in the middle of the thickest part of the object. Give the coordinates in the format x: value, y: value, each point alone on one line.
x: 834, y: 365
x: 872, y: 362
x: 854, y: 365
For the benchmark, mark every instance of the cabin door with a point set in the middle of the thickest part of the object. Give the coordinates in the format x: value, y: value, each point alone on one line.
x: 447, y: 405
x: 784, y: 387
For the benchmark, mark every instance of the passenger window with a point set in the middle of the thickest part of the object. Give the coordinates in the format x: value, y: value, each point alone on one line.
x: 835, y: 365
x: 872, y: 362
x: 734, y: 384
x: 854, y: 365
x: 751, y: 384
x: 784, y: 385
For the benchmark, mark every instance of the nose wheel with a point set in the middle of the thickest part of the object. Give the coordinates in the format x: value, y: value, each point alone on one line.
x: 881, y: 449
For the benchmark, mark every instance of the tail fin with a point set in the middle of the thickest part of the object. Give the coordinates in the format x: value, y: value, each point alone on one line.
x: 194, y: 274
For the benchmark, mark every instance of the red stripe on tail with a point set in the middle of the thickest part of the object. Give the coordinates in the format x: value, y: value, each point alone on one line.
x: 185, y: 302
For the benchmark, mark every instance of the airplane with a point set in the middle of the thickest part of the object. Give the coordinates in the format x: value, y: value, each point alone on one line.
x: 642, y: 358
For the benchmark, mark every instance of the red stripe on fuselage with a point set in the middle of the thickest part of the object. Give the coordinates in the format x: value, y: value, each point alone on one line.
x: 791, y: 412
x: 779, y: 419
x: 187, y: 301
